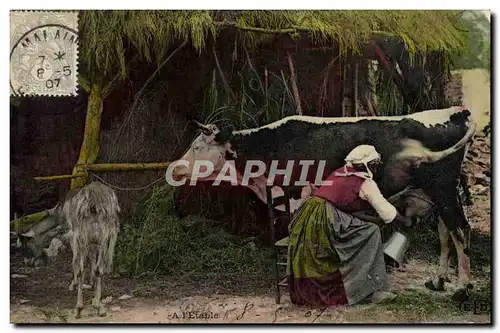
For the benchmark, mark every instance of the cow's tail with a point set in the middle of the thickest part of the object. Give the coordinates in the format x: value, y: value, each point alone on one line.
x: 414, y: 150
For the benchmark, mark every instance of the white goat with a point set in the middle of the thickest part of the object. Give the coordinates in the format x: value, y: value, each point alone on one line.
x: 91, y: 214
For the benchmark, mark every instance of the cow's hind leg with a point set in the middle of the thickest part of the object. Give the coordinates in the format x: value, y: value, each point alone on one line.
x: 464, y: 276
x: 437, y: 283
x: 454, y: 218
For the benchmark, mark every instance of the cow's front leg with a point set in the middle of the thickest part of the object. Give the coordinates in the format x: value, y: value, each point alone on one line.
x: 437, y: 283
x: 464, y: 277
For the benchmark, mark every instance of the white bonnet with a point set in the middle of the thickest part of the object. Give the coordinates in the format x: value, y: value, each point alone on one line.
x: 362, y: 154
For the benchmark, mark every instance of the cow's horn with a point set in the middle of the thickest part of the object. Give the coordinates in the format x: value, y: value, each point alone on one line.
x: 204, y: 128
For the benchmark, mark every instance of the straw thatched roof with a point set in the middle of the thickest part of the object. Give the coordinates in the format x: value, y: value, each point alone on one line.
x: 108, y: 37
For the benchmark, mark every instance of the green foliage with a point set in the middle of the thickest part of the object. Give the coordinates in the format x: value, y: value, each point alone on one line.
x: 477, y: 54
x: 109, y: 40
x: 256, y: 103
x: 159, y: 242
x: 390, y: 100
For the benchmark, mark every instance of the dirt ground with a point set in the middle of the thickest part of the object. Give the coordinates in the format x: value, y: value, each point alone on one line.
x: 41, y: 295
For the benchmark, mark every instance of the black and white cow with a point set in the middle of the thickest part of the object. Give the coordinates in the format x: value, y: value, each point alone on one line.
x: 424, y: 150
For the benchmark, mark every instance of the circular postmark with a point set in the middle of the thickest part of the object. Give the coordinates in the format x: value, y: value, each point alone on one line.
x: 43, y: 61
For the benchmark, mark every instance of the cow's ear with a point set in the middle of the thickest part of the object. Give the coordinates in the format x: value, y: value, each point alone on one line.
x: 224, y: 135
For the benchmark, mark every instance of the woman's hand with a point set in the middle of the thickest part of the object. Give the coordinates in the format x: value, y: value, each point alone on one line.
x: 404, y: 220
x: 307, y: 191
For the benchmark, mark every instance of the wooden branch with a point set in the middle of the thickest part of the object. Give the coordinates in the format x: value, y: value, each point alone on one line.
x: 295, y: 87
x: 291, y: 29
x: 323, y: 92
x: 222, y: 76
x: 104, y: 167
x: 227, y: 24
x: 369, y: 106
x: 391, y: 68
x: 254, y: 70
x: 344, y: 68
x: 139, y: 93
x: 59, y: 177
x: 84, y: 82
x: 26, y: 221
x: 110, y: 86
x: 266, y: 84
x: 355, y: 90
x: 313, y: 48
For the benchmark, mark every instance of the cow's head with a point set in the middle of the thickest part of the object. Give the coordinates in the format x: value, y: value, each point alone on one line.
x: 206, y: 159
x: 211, y: 145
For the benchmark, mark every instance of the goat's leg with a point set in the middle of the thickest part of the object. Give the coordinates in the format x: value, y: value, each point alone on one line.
x: 93, y: 264
x: 93, y: 267
x: 74, y: 282
x: 101, y: 310
x: 99, y: 272
x: 79, y: 266
x: 437, y: 283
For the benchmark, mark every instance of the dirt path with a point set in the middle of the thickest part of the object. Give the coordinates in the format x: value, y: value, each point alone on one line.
x: 231, y: 309
x: 414, y: 304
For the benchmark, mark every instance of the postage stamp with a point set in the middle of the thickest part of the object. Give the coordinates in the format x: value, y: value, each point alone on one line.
x: 43, y: 53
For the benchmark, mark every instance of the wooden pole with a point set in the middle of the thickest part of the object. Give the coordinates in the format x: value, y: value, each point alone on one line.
x: 440, y: 81
x: 344, y: 68
x: 127, y: 166
x: 295, y: 87
x: 274, y: 252
x: 27, y: 220
x: 58, y: 177
x: 355, y: 90
x: 391, y: 68
x: 90, y: 145
x: 106, y: 167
